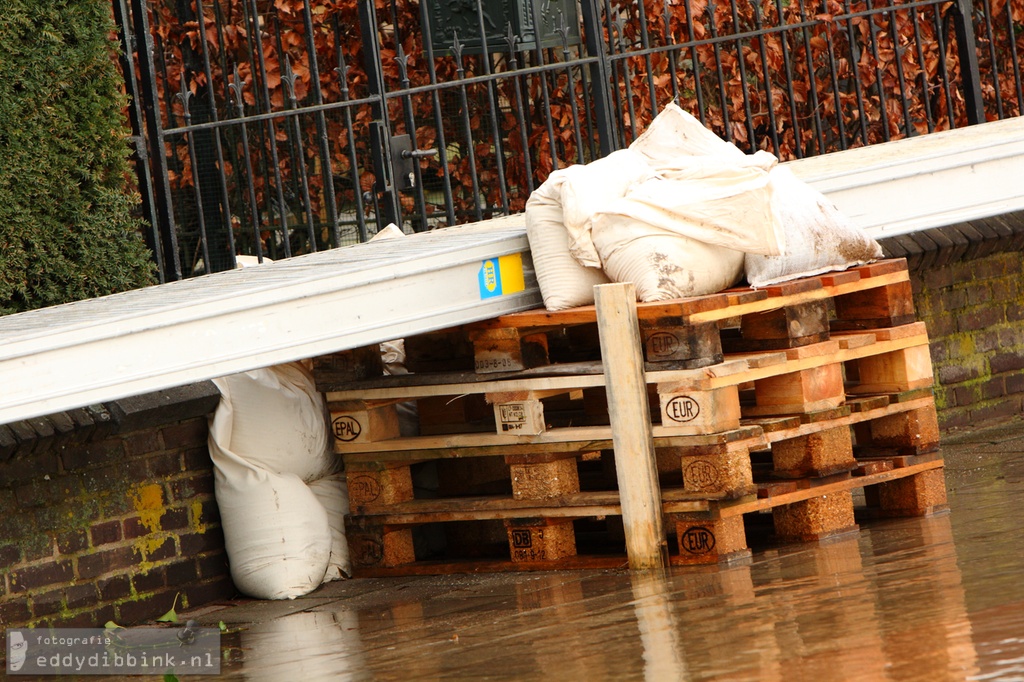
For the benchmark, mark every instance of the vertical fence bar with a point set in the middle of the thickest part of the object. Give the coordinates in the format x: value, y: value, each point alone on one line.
x: 341, y: 71
x: 599, y: 73
x: 858, y: 84
x: 141, y: 153
x: 229, y: 233
x: 150, y: 98
x: 970, y: 74
x: 467, y: 128
x: 289, y: 78
x: 442, y: 144
x: 380, y: 127
x: 326, y: 167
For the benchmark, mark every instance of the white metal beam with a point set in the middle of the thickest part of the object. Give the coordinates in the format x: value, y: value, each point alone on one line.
x: 106, y: 348
x: 923, y: 182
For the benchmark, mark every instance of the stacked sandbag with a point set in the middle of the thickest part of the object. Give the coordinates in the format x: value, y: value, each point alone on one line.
x: 680, y: 213
x: 281, y: 497
x: 819, y: 238
x: 558, y: 226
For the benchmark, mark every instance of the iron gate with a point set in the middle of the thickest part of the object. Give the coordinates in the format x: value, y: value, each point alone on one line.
x: 279, y: 127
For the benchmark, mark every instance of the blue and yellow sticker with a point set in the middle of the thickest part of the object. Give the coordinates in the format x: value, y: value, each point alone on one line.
x: 500, y: 276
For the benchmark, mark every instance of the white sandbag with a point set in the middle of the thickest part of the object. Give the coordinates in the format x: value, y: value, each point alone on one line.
x: 276, y: 533
x: 332, y: 493
x: 564, y: 283
x: 588, y: 189
x: 725, y: 203
x: 707, y: 188
x: 661, y: 263
x: 818, y: 237
x: 675, y: 133
x: 275, y: 418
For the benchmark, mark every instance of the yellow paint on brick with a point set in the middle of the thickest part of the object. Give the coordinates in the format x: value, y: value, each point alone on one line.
x: 149, y: 503
x: 195, y: 517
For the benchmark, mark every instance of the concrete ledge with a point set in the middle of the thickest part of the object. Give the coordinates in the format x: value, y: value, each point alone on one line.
x: 39, y: 435
x: 163, y: 407
x: 969, y: 240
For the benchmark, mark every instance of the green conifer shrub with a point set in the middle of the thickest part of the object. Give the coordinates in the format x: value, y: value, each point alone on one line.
x: 67, y: 227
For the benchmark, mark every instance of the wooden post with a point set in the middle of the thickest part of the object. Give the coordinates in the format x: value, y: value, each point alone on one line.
x: 629, y: 411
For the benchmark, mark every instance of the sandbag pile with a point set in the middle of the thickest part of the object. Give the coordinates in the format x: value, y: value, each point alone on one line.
x: 281, y: 495
x: 680, y: 213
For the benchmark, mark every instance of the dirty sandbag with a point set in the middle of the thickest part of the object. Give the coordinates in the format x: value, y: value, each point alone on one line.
x: 675, y: 133
x: 588, y: 189
x: 564, y: 282
x: 558, y: 215
x: 269, y: 443
x: 277, y: 534
x: 275, y: 418
x: 332, y: 492
x: 819, y: 238
x: 662, y: 264
x: 712, y: 200
x: 706, y: 188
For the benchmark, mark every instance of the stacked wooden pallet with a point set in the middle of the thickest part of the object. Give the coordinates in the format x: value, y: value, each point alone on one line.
x: 787, y: 400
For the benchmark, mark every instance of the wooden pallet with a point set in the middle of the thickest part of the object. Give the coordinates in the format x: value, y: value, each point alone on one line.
x: 583, y: 530
x: 679, y: 334
x: 530, y: 407
x: 782, y: 400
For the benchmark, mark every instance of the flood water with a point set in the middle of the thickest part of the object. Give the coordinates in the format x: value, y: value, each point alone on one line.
x: 939, y: 598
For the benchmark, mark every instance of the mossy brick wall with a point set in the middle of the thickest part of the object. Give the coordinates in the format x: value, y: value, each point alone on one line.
x: 968, y: 283
x: 108, y: 513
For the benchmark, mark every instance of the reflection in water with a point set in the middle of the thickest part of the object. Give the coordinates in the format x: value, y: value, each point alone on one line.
x: 659, y: 630
x: 303, y: 646
x: 887, y: 603
x: 897, y: 601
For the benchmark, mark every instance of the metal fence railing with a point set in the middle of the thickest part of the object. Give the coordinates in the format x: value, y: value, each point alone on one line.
x: 281, y: 127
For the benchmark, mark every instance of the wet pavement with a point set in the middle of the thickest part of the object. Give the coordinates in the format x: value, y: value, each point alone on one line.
x: 938, y: 598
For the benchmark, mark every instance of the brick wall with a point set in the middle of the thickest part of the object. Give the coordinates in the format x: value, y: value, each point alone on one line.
x: 968, y: 283
x: 107, y: 513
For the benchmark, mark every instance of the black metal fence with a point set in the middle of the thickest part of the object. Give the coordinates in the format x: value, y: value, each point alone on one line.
x: 279, y: 127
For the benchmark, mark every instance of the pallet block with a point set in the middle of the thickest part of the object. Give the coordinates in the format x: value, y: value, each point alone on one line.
x: 665, y: 340
x: 817, y: 454
x: 378, y: 484
x: 902, y: 369
x: 806, y: 390
x: 362, y: 421
x: 692, y: 412
x: 709, y: 541
x: 885, y: 306
x: 539, y: 477
x: 815, y: 518
x: 918, y: 495
x: 380, y: 546
x: 532, y: 540
x: 714, y: 471
x: 508, y: 350
x: 792, y: 326
x: 914, y: 431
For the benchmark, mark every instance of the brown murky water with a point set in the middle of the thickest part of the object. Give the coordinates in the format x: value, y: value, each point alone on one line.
x: 940, y: 598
